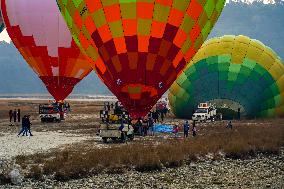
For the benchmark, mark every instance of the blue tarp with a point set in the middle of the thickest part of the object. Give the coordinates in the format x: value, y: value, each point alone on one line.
x: 161, y: 128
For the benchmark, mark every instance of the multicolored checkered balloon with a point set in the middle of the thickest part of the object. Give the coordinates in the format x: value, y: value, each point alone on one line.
x: 139, y: 47
x: 232, y: 68
x: 38, y: 30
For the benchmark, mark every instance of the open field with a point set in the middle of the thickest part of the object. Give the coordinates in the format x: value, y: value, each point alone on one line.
x: 248, y: 156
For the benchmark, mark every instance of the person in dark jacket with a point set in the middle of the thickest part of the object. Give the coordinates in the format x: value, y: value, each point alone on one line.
x: 185, y: 129
x: 15, y: 115
x: 24, y: 126
x: 162, y: 115
x: 28, y: 126
x: 11, y: 116
x: 19, y: 115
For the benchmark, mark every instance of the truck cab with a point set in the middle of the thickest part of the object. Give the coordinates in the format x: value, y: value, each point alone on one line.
x: 204, y: 112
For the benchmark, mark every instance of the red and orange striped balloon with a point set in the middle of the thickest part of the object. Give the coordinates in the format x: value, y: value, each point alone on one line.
x: 139, y: 47
x: 39, y: 32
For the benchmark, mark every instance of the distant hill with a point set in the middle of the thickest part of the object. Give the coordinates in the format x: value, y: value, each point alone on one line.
x: 264, y: 22
x: 256, y: 20
x: 17, y: 77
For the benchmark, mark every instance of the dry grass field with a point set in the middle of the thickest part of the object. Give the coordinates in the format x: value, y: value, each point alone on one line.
x: 247, y: 139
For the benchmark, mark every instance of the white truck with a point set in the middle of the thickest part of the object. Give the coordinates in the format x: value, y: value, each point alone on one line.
x: 205, y: 112
x: 54, y: 112
x: 49, y: 113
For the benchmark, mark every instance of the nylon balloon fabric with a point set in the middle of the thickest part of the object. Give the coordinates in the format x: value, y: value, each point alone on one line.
x: 143, y: 44
x: 232, y: 68
x: 40, y: 34
x: 1, y: 20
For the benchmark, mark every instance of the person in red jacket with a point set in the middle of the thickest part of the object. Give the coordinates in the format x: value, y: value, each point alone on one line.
x: 175, y: 130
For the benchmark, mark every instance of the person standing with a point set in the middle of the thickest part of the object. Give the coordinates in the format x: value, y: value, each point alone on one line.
x: 162, y: 116
x: 19, y: 115
x: 154, y: 116
x: 229, y: 125
x: 11, y: 116
x: 108, y: 106
x: 15, y: 115
x: 28, y: 126
x: 185, y: 129
x: 151, y: 125
x: 24, y: 126
x: 194, y: 130
x: 239, y: 113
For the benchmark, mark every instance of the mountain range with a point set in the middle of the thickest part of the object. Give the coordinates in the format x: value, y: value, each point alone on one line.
x: 263, y: 21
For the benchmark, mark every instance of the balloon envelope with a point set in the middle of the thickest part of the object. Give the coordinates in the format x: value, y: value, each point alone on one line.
x: 235, y: 72
x: 39, y: 32
x: 144, y: 45
x: 1, y: 20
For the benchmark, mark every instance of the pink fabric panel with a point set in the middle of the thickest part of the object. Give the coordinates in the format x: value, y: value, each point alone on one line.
x: 33, y: 15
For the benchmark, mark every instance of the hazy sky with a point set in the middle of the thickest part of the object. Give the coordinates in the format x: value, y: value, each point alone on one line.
x: 5, y: 37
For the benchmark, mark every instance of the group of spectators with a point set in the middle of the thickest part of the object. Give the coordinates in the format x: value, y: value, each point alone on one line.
x: 186, y: 129
x: 144, y: 127
x: 14, y: 116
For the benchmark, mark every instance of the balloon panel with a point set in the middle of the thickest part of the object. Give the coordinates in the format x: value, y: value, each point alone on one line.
x: 39, y: 32
x: 253, y: 81
x: 144, y: 45
x: 1, y: 21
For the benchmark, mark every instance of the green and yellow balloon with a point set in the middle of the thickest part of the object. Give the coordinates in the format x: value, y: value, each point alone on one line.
x: 233, y: 69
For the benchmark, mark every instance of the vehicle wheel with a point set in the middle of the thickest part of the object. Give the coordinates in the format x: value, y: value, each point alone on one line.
x: 104, y: 140
x: 114, y: 138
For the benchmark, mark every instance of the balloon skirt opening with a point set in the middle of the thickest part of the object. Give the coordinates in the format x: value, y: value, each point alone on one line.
x: 59, y: 86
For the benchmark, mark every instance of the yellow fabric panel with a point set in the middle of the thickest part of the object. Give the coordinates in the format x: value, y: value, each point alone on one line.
x: 266, y: 60
x: 276, y: 70
x: 243, y: 39
x: 280, y: 110
x: 239, y: 52
x: 282, y: 98
x: 253, y: 53
x: 175, y: 88
x: 227, y: 38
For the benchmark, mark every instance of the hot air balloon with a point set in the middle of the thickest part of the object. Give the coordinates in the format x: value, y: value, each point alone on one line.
x: 40, y: 34
x: 143, y: 45
x: 235, y: 72
x: 1, y: 20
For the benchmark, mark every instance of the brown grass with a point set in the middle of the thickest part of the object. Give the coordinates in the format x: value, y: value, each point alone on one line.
x: 242, y: 142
